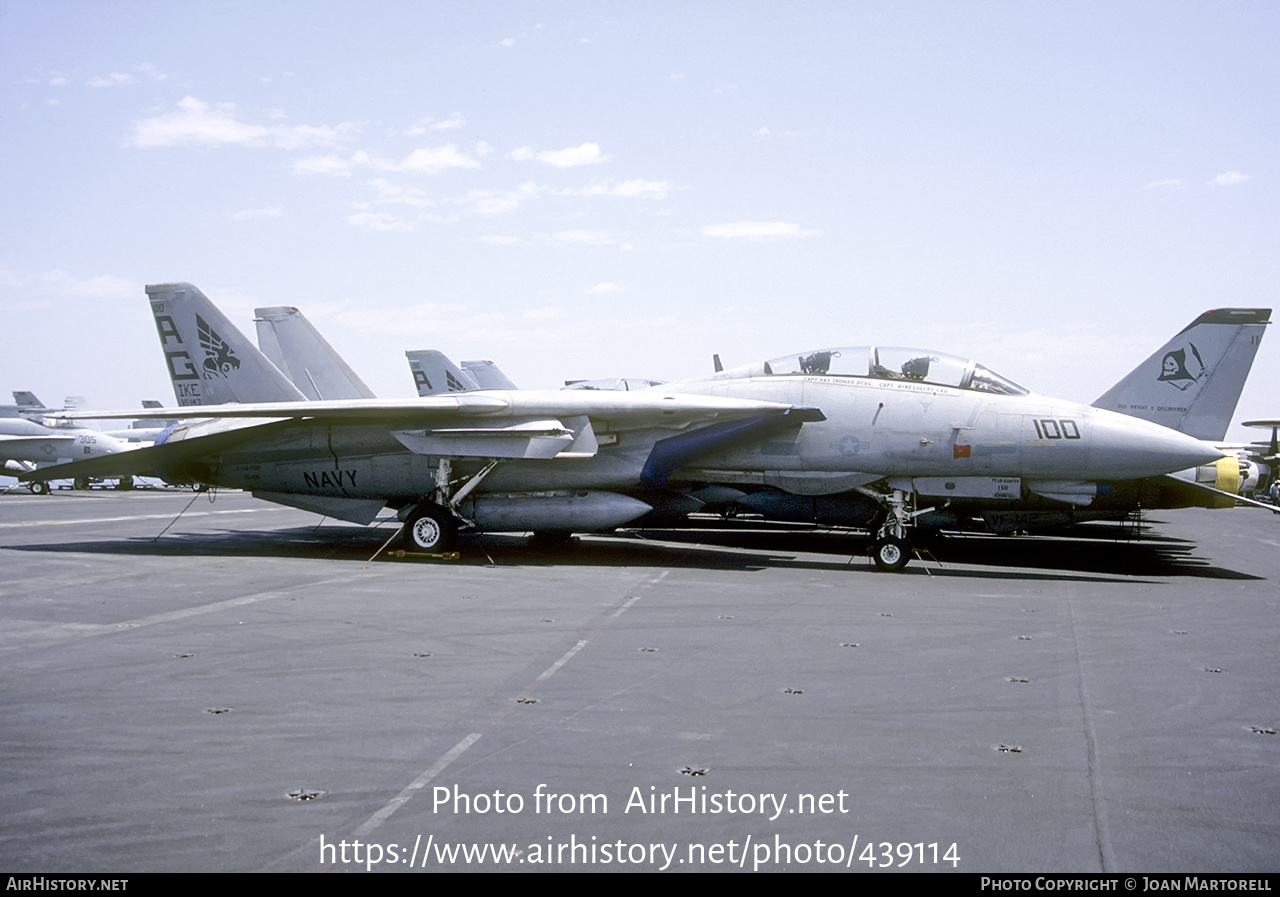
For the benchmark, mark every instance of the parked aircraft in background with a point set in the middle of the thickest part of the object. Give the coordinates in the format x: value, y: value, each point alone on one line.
x: 434, y: 374
x: 27, y: 448
x: 1266, y: 455
x: 875, y: 430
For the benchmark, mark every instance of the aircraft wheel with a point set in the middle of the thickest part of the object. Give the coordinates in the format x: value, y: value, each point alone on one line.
x: 891, y: 554
x: 125, y: 483
x: 80, y: 483
x: 38, y: 488
x: 430, y: 528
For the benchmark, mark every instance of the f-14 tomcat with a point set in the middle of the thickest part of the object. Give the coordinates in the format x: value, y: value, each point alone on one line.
x: 875, y: 430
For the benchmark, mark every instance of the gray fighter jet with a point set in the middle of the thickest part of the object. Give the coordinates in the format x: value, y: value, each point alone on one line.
x: 882, y: 430
x: 1191, y: 384
x: 28, y: 447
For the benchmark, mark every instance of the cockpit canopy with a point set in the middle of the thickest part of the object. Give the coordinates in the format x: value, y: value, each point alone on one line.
x: 891, y: 363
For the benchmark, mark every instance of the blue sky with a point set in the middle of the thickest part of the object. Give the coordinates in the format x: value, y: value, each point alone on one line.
x: 580, y: 190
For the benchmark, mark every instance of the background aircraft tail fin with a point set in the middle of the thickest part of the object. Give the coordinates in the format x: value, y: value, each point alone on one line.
x: 211, y: 362
x: 304, y: 356
x: 434, y: 373
x: 27, y: 401
x: 1193, y: 382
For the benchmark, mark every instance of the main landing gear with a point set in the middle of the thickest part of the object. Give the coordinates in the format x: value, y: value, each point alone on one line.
x: 431, y: 529
x: 432, y: 526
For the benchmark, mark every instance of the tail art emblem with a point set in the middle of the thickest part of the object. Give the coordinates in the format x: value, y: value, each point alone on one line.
x: 1174, y: 368
x: 219, y: 359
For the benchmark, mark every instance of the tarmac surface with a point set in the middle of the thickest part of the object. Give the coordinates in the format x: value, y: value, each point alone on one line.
x: 248, y: 692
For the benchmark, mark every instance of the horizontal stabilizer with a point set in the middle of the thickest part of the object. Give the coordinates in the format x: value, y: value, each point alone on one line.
x: 354, y: 510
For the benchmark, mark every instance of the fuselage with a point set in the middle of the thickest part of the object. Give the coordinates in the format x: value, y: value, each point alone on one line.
x: 27, y: 441
x: 873, y: 427
x: 919, y: 429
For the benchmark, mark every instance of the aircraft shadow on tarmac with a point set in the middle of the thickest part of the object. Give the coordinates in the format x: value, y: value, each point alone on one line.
x: 1088, y: 552
x: 1092, y: 548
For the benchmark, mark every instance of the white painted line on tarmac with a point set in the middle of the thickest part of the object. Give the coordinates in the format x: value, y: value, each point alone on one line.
x: 169, y: 516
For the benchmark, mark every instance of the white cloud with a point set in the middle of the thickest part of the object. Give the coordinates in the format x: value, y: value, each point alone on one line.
x: 249, y: 214
x: 642, y: 188
x: 424, y: 160
x: 304, y: 136
x: 1167, y: 182
x: 380, y: 221
x: 394, y: 193
x: 433, y: 160
x: 488, y: 202
x: 117, y: 78
x: 151, y: 72
x: 1230, y: 179
x: 197, y: 122
x: 572, y: 157
x: 757, y: 230
x: 605, y: 287
x: 521, y: 154
x: 507, y: 42
x: 112, y: 80
x: 331, y: 164
x: 502, y: 240
x: 638, y: 187
x: 429, y: 123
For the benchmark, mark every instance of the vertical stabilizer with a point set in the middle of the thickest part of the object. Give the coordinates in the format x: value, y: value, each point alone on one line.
x: 1193, y: 382
x: 211, y: 362
x: 27, y: 401
x: 488, y: 375
x: 304, y: 356
x: 434, y: 373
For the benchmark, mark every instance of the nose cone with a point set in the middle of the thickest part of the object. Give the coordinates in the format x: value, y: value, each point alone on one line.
x: 1127, y: 448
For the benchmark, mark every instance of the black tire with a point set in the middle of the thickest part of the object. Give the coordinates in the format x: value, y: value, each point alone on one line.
x: 125, y: 483
x: 80, y: 483
x: 430, y: 529
x: 38, y: 487
x: 891, y: 554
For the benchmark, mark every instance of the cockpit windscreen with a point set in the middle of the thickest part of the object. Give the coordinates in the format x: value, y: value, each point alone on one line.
x: 896, y: 363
